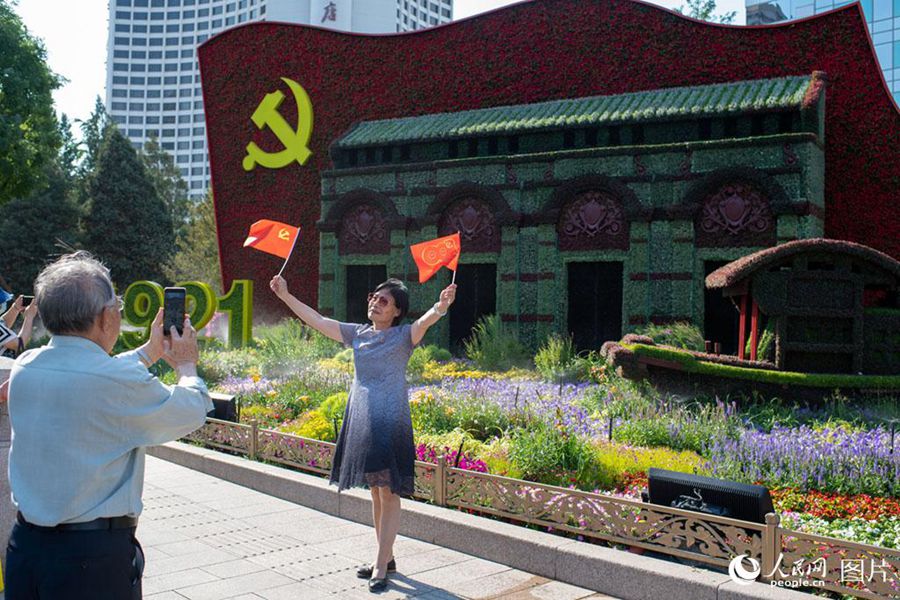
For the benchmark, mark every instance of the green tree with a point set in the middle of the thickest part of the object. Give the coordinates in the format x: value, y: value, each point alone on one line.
x: 28, y: 130
x: 37, y: 228
x: 197, y: 258
x: 93, y: 131
x: 69, y: 151
x: 126, y: 224
x: 704, y: 10
x: 166, y: 178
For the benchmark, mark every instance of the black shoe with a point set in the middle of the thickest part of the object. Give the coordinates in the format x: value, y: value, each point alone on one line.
x: 366, y: 572
x: 378, y: 585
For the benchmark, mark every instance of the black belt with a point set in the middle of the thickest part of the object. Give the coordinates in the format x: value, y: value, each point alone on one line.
x: 95, y: 525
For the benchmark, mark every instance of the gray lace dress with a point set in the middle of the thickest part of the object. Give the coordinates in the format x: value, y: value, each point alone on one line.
x: 375, y: 444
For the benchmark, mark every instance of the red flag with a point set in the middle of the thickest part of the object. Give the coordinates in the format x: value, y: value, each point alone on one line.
x: 431, y: 256
x: 272, y: 237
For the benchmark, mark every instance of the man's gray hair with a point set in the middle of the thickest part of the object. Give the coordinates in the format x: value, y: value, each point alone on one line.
x: 71, y: 292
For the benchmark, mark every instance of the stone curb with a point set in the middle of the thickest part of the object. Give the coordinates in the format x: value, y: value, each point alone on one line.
x: 606, y: 570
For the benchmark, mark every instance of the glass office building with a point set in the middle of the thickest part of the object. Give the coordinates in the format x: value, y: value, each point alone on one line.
x: 882, y: 17
x: 153, y: 78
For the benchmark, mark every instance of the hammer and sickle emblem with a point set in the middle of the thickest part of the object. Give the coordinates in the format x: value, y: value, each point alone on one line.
x: 284, y: 234
x: 295, y: 142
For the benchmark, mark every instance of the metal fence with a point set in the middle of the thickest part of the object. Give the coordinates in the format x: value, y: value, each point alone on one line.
x: 785, y: 557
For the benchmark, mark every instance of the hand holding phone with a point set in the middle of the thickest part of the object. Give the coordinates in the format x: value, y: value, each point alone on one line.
x: 173, y: 309
x: 27, y: 300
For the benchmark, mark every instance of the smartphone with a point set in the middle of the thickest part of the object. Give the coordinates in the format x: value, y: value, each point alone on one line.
x: 26, y: 300
x: 173, y: 309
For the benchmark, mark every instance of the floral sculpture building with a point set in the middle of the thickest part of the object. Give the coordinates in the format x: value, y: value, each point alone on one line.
x: 586, y: 215
x: 600, y: 158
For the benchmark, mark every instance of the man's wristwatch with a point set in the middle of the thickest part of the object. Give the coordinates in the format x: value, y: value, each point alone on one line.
x: 438, y: 311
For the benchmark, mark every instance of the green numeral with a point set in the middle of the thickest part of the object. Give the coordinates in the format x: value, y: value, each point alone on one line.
x: 143, y: 299
x: 201, y: 303
x: 238, y: 303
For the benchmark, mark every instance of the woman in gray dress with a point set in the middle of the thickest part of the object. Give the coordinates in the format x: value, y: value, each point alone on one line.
x: 375, y: 446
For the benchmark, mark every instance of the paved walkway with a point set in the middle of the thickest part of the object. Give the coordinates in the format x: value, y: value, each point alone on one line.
x: 207, y: 539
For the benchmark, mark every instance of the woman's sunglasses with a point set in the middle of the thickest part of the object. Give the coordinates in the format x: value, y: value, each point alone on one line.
x: 380, y: 301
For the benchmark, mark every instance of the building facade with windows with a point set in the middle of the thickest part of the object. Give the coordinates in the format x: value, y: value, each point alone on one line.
x: 882, y: 18
x: 153, y: 78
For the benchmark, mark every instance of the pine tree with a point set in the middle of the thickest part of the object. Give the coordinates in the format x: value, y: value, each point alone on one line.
x: 166, y: 178
x: 36, y: 229
x: 197, y: 258
x: 70, y: 151
x: 126, y: 225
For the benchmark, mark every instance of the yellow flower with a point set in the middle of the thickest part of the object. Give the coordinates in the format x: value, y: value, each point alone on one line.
x: 271, y: 393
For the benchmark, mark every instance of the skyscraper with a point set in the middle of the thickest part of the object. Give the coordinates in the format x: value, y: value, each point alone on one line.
x: 882, y: 18
x: 152, y: 76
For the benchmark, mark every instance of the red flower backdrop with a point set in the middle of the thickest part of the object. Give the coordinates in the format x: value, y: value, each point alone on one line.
x: 529, y: 52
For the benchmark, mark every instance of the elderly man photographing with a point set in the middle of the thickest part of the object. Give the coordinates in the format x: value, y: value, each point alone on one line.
x: 80, y: 421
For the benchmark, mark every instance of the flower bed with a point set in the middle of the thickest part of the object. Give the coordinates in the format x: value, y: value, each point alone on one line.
x: 831, y: 468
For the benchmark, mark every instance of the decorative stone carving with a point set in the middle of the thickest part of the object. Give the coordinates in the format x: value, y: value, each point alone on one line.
x: 476, y: 225
x: 736, y: 215
x: 592, y: 220
x: 364, y: 231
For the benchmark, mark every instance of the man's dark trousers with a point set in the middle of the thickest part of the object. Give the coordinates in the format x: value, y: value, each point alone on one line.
x: 43, y: 564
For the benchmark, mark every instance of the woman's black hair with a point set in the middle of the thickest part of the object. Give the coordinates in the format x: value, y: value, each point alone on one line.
x: 400, y: 294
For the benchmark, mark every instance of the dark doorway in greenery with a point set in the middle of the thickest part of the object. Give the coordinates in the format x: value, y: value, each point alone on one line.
x: 476, y: 297
x: 595, y: 303
x: 362, y: 279
x: 721, y: 317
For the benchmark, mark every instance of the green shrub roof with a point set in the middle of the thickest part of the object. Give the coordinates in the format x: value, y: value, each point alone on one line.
x: 690, y: 364
x: 783, y: 93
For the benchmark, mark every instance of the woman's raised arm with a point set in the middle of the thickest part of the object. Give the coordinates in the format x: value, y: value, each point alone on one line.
x: 327, y: 327
x: 433, y: 314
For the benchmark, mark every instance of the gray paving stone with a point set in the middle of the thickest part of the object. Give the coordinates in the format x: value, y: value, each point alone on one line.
x: 296, y: 591
x: 173, y: 581
x: 189, y: 546
x: 165, y: 596
x: 420, y: 562
x: 234, y: 586
x: 451, y: 577
x: 557, y: 590
x: 233, y: 568
x: 173, y: 564
x: 361, y: 547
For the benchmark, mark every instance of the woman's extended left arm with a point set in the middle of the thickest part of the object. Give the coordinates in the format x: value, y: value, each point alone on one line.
x: 433, y: 314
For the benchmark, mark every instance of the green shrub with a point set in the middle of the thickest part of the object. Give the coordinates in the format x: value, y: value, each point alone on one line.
x: 333, y: 406
x: 479, y: 417
x: 312, y: 424
x: 668, y: 422
x: 266, y: 416
x: 493, y: 347
x: 215, y: 366
x: 680, y: 335
x: 765, y: 345
x: 549, y: 454
x: 616, y: 460
x: 495, y: 455
x: 289, y: 342
x: 452, y: 440
x: 423, y: 355
x: 345, y: 355
x: 430, y: 415
x: 556, y: 357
